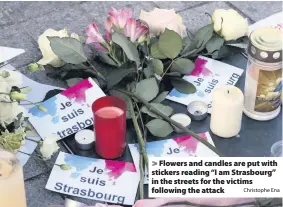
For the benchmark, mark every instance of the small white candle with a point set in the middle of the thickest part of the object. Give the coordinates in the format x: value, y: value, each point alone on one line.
x: 227, y: 111
x: 183, y: 119
x: 85, y: 139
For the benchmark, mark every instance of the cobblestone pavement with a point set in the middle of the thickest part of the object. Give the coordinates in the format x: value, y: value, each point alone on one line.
x: 22, y: 22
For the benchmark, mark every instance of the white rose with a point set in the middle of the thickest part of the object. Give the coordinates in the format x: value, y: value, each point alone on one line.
x: 8, y: 111
x: 12, y: 78
x: 49, y: 147
x: 49, y: 57
x: 229, y: 24
x: 159, y: 19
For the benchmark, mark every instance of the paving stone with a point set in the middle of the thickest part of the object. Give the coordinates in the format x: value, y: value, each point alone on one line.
x: 41, y: 77
x: 38, y: 196
x: 258, y: 10
x: 98, y: 11
x: 14, y: 36
x: 34, y: 167
x: 196, y: 18
x: 178, y: 5
x: 22, y: 11
x: 4, y: 19
x: 71, y: 18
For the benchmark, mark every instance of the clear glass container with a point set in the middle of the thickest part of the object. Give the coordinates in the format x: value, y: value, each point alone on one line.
x: 12, y: 189
x: 263, y: 84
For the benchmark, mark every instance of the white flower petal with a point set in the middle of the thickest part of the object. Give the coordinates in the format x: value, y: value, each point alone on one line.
x: 44, y: 45
x: 49, y: 147
x: 159, y: 19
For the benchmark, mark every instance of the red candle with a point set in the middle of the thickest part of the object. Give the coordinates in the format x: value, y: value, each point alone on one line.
x: 109, y: 126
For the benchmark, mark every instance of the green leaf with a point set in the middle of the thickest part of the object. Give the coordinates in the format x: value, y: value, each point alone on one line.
x: 106, y: 59
x: 159, y: 128
x: 148, y: 72
x: 68, y: 49
x: 189, y: 53
x: 125, y: 97
x: 183, y: 66
x: 166, y: 110
x: 186, y: 42
x: 157, y: 66
x: 117, y: 75
x: 183, y: 86
x: 240, y: 43
x: 173, y: 74
x: 147, y: 89
x: 215, y: 43
x: 155, y: 52
x: 161, y: 97
x: 200, y: 39
x: 129, y: 47
x: 73, y: 81
x: 170, y: 44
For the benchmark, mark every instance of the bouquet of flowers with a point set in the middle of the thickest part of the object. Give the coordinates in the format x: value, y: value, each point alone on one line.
x: 147, y: 57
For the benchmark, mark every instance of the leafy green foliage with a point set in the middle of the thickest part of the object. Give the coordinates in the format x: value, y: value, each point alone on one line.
x: 159, y: 128
x: 155, y: 52
x: 170, y: 44
x: 117, y: 75
x: 161, y: 97
x: 70, y: 50
x: 147, y: 89
x: 183, y: 66
x: 166, y: 110
x: 183, y: 86
x: 128, y: 47
x: 214, y: 44
x: 157, y: 66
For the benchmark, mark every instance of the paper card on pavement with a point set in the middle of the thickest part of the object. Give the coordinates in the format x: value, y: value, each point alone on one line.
x: 185, y: 146
x: 68, y: 112
x: 7, y: 53
x: 110, y: 181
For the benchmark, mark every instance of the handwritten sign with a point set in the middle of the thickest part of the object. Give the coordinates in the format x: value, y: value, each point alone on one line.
x: 185, y: 146
x: 68, y: 112
x: 96, y: 179
x: 206, y: 76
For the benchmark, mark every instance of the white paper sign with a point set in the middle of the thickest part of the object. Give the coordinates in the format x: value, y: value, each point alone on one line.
x: 275, y: 21
x: 206, y: 76
x: 7, y: 53
x: 184, y: 146
x: 68, y: 112
x: 102, y: 180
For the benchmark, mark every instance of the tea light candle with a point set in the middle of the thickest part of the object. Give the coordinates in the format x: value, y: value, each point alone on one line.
x: 197, y: 110
x: 85, y: 139
x: 183, y: 119
x: 227, y: 111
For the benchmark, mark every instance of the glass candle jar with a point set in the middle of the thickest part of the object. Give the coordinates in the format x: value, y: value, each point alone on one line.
x: 263, y: 84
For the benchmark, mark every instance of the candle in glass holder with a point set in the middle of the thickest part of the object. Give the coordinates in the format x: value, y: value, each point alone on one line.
x: 110, y: 126
x: 227, y: 111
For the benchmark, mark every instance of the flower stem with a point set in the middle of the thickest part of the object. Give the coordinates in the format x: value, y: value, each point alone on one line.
x: 98, y: 73
x: 139, y: 134
x: 166, y: 118
x: 141, y: 177
x: 166, y: 71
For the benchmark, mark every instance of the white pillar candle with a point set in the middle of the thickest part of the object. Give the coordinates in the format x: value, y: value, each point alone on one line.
x: 183, y: 119
x: 85, y: 139
x: 227, y: 111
